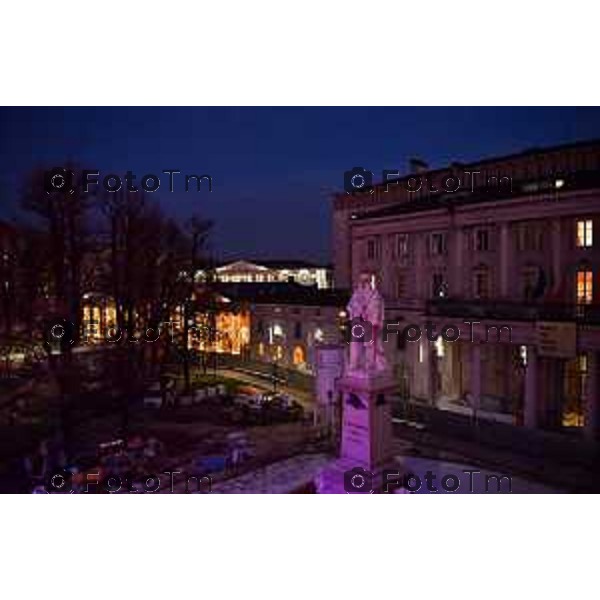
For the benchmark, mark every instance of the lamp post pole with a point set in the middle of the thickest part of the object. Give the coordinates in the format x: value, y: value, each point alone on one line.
x: 275, y: 376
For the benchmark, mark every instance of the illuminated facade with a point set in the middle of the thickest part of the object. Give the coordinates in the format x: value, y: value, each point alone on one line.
x: 232, y: 325
x: 525, y: 255
x: 231, y: 332
x: 288, y: 330
x: 297, y: 271
x: 99, y: 316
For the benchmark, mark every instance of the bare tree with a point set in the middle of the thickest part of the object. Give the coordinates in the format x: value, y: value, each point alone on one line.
x: 61, y: 220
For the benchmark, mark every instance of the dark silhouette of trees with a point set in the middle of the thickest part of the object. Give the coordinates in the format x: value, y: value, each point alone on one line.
x: 199, y: 230
x: 8, y: 267
x: 120, y: 245
x: 61, y: 221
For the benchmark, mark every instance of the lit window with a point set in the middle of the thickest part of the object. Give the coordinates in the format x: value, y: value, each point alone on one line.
x: 584, y: 287
x: 584, y: 233
x: 261, y: 349
x: 298, y: 356
x: 318, y: 335
x: 439, y: 346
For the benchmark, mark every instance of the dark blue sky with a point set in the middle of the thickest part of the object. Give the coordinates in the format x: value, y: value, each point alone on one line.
x: 272, y: 168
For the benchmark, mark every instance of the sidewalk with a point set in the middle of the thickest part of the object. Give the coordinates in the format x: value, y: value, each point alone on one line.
x: 569, y: 477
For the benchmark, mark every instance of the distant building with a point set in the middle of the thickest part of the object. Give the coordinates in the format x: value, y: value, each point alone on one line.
x: 518, y: 246
x: 288, y: 320
x: 269, y: 271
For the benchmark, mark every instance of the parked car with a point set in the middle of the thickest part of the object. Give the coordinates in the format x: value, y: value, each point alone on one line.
x: 252, y: 407
x: 283, y: 408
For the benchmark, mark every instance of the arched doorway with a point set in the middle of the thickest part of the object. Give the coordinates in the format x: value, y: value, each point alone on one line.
x: 299, y: 356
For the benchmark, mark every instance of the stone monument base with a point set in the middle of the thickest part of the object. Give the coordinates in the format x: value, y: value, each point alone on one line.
x: 366, y: 446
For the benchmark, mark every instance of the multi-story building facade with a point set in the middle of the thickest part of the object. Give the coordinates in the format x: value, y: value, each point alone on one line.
x: 269, y: 271
x: 262, y: 321
x: 288, y: 322
x: 511, y: 243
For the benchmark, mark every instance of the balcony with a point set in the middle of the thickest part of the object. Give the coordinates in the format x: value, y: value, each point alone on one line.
x: 513, y: 311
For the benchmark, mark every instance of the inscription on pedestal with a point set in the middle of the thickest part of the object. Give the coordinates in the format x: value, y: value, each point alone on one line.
x: 356, y: 442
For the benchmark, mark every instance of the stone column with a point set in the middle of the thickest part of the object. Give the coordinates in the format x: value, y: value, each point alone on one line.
x: 557, y: 254
x: 591, y: 398
x: 505, y: 259
x: 456, y: 271
x: 412, y: 352
x: 530, y: 416
x: 421, y: 282
x: 476, y: 377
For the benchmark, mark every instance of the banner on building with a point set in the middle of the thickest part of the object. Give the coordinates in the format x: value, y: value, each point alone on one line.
x: 557, y: 340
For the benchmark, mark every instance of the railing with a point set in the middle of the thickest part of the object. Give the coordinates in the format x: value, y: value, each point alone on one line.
x: 517, y: 311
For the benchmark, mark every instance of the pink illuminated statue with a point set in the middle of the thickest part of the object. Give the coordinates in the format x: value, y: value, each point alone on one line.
x: 366, y: 310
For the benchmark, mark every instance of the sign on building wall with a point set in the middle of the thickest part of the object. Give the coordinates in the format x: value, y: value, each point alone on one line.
x: 558, y: 340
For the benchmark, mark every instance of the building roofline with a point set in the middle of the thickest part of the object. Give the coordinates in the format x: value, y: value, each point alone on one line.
x: 577, y: 181
x: 528, y: 152
x: 272, y: 263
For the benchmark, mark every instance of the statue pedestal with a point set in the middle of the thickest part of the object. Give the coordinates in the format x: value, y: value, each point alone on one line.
x: 366, y: 435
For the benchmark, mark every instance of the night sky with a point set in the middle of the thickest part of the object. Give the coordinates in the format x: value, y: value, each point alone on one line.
x: 272, y: 168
